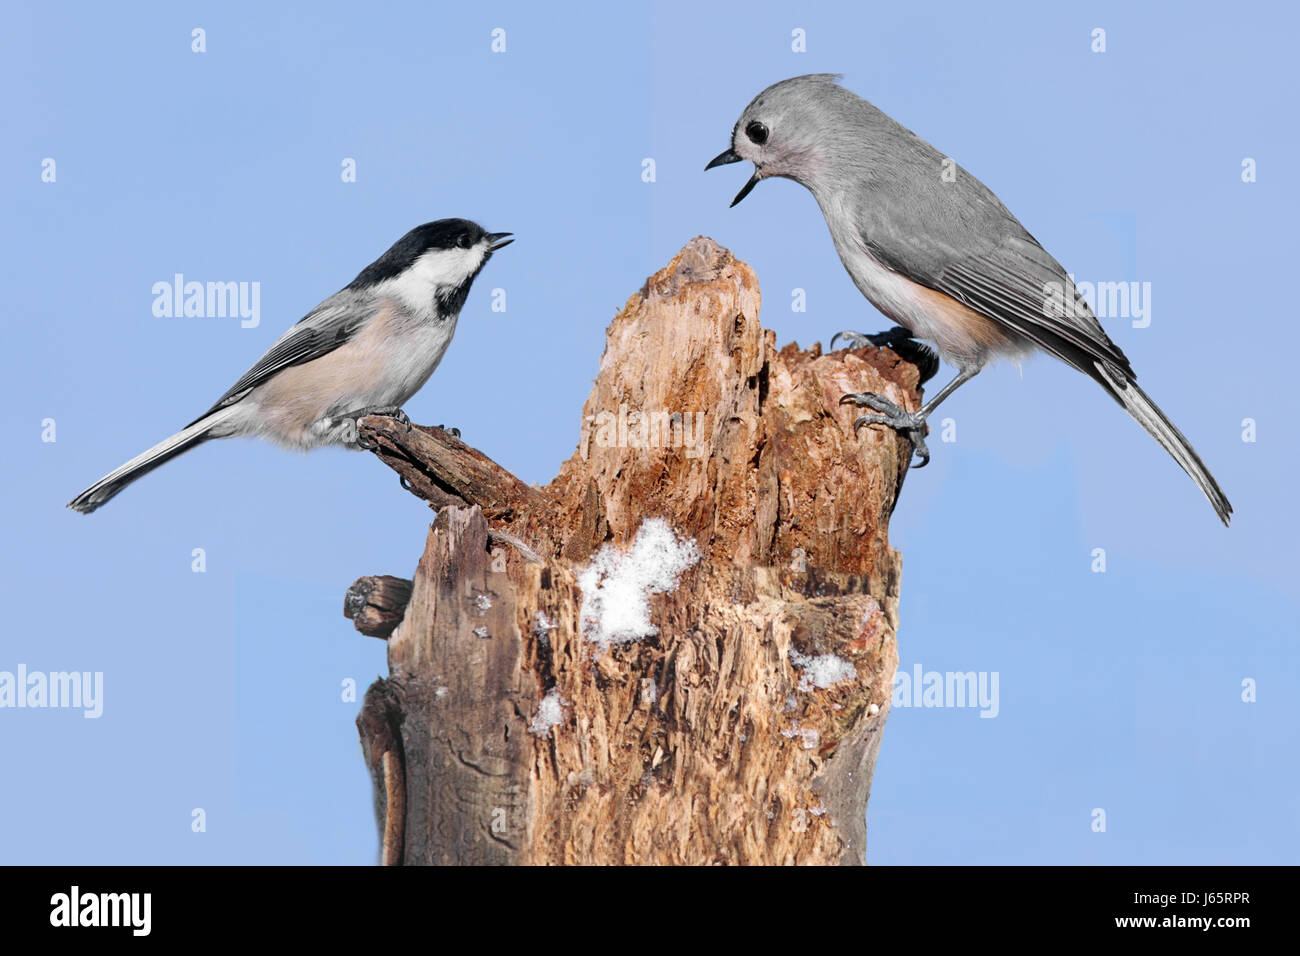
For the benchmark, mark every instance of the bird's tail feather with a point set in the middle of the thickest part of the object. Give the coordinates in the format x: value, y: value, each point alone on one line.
x: 145, y: 462
x: 1136, y: 402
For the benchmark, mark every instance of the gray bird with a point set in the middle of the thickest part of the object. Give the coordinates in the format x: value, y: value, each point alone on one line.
x: 363, y: 351
x: 941, y: 257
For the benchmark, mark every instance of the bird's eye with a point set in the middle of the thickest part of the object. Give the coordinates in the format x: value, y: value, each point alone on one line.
x: 756, y: 132
x: 464, y: 241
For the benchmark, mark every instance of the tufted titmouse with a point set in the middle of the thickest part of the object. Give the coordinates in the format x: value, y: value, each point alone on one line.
x: 364, y: 350
x: 939, y: 254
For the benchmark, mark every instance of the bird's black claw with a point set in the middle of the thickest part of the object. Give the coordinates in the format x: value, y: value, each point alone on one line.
x: 858, y: 340
x: 388, y: 411
x: 852, y: 340
x: 398, y: 416
x: 454, y: 432
x: 911, y: 424
x: 360, y: 441
x: 874, y: 401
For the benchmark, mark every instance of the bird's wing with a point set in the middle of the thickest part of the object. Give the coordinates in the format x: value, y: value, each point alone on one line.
x: 958, y: 239
x: 1022, y: 287
x: 331, y: 324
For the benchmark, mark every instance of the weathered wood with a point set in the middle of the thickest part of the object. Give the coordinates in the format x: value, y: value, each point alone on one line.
x: 745, y: 728
x: 456, y: 659
x: 380, y: 726
x: 376, y: 604
x: 443, y: 470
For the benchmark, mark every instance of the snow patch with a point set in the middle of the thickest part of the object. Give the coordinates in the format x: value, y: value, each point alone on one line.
x: 550, y: 712
x: 542, y: 628
x: 808, y: 736
x: 822, y: 670
x: 617, y: 585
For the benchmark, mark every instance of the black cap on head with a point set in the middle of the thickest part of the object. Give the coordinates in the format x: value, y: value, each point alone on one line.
x: 440, y: 234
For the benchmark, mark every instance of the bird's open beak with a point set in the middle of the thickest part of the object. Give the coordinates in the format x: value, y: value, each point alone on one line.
x: 722, y: 159
x: 725, y: 158
x: 496, y: 238
x: 744, y: 190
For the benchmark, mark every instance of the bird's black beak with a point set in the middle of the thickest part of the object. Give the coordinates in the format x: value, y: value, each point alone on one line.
x: 744, y: 190
x: 496, y: 239
x: 723, y: 159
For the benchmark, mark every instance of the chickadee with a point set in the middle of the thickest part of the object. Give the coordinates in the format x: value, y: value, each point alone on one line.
x: 363, y: 351
x: 941, y: 256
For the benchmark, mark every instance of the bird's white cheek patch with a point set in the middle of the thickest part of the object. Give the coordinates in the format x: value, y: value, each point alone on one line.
x: 439, y: 268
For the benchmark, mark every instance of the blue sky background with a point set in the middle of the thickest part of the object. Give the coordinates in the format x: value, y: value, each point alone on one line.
x: 1119, y: 690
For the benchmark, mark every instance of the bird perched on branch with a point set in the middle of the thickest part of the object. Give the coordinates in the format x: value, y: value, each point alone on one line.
x: 363, y: 351
x: 940, y: 255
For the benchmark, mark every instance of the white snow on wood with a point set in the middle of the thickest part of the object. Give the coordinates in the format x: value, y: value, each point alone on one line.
x: 550, y: 712
x: 542, y: 628
x: 821, y: 670
x: 617, y: 585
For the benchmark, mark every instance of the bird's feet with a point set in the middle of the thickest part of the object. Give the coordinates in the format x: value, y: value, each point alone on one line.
x: 860, y: 340
x: 389, y: 411
x: 911, y: 424
x: 901, y: 341
x: 453, y: 432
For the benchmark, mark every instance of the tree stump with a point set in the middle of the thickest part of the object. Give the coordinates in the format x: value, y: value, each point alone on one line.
x: 561, y: 692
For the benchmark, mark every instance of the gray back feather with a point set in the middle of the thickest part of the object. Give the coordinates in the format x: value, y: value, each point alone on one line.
x: 951, y: 235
